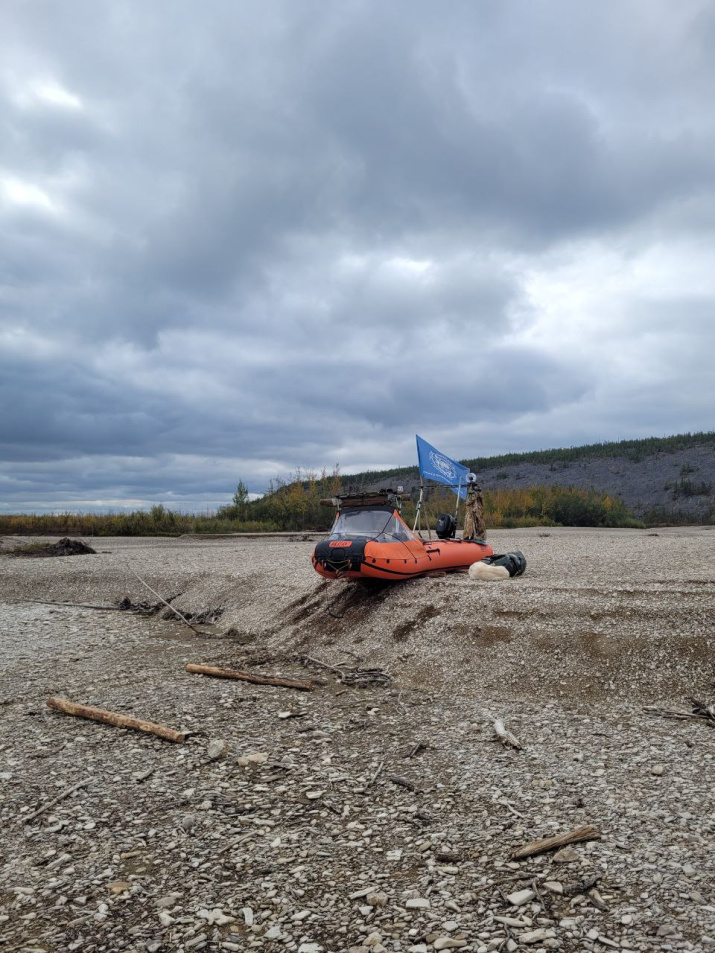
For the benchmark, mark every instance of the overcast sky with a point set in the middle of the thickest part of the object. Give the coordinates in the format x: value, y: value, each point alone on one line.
x: 240, y: 237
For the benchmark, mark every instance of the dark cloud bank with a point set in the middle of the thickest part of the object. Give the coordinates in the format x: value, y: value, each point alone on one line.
x: 236, y: 239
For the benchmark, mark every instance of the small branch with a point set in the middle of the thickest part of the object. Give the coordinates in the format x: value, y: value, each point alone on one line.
x: 60, y: 797
x: 581, y: 886
x: 702, y: 710
x: 588, y: 832
x: 359, y: 677
x: 415, y: 749
x: 113, y: 718
x: 500, y: 730
x: 234, y: 843
x: 78, y: 605
x: 403, y: 782
x: 215, y: 672
x: 511, y: 808
x: 670, y: 713
x: 376, y: 775
x: 161, y: 599
x: 315, y: 661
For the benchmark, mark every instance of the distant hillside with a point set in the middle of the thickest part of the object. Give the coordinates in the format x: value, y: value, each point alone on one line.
x: 660, y: 479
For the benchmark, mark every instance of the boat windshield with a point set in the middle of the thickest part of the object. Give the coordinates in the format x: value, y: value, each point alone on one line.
x: 381, y: 525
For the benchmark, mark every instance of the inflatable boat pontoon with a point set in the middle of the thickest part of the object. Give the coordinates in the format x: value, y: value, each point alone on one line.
x: 370, y: 540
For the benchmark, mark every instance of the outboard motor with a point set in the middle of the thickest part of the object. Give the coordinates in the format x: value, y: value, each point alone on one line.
x: 515, y: 562
x: 446, y: 526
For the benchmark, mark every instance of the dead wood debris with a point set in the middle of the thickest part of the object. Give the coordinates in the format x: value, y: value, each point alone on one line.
x: 162, y: 599
x: 68, y: 707
x: 588, y: 832
x: 414, y: 749
x: 215, y: 672
x: 702, y: 711
x: 56, y: 800
x: 501, y: 732
x: 64, y: 547
x: 350, y: 675
x: 403, y: 782
x: 581, y: 886
x: 69, y: 605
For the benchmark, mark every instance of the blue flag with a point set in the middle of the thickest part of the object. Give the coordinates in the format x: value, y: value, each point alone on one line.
x: 437, y: 467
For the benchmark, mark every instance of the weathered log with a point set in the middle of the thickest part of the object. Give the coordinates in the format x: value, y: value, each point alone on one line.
x: 113, y: 718
x: 588, y: 832
x: 215, y: 672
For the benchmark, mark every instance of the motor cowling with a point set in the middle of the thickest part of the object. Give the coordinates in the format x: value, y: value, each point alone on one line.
x: 446, y: 526
x: 514, y: 563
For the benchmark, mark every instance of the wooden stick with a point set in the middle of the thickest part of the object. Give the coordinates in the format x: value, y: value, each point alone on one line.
x: 330, y: 668
x: 671, y: 713
x: 249, y: 677
x: 79, y: 605
x: 588, y: 832
x: 403, y: 782
x: 112, y: 718
x: 56, y: 800
x: 376, y: 775
x: 416, y: 749
x: 500, y: 730
x: 161, y: 599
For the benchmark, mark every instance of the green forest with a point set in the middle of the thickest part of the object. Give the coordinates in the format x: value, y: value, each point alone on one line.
x: 293, y: 504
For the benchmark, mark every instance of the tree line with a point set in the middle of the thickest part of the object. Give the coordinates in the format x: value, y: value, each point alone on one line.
x: 294, y: 504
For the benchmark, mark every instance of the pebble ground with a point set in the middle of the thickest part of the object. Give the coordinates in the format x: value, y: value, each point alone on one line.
x: 296, y: 837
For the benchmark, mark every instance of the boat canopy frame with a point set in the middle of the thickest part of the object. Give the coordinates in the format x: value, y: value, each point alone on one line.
x: 417, y: 528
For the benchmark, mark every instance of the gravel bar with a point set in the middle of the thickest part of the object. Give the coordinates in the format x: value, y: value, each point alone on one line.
x: 359, y: 818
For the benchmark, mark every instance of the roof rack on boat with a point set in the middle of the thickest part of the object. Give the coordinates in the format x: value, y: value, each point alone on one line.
x: 387, y: 497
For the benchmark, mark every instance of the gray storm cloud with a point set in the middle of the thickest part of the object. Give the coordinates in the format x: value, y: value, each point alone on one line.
x: 237, y: 240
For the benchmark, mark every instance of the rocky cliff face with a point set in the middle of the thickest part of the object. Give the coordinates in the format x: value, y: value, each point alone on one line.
x: 664, y: 487
x: 680, y: 484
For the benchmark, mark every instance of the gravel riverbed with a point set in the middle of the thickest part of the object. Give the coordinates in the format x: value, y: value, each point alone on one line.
x: 366, y: 819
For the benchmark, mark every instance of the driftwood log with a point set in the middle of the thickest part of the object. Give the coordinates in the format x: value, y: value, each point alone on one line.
x: 588, y: 832
x: 215, y: 672
x: 113, y: 718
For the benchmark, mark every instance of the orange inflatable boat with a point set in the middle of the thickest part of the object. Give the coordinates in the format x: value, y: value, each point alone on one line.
x: 370, y: 540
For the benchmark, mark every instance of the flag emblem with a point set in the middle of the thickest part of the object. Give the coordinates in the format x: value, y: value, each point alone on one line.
x: 444, y: 465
